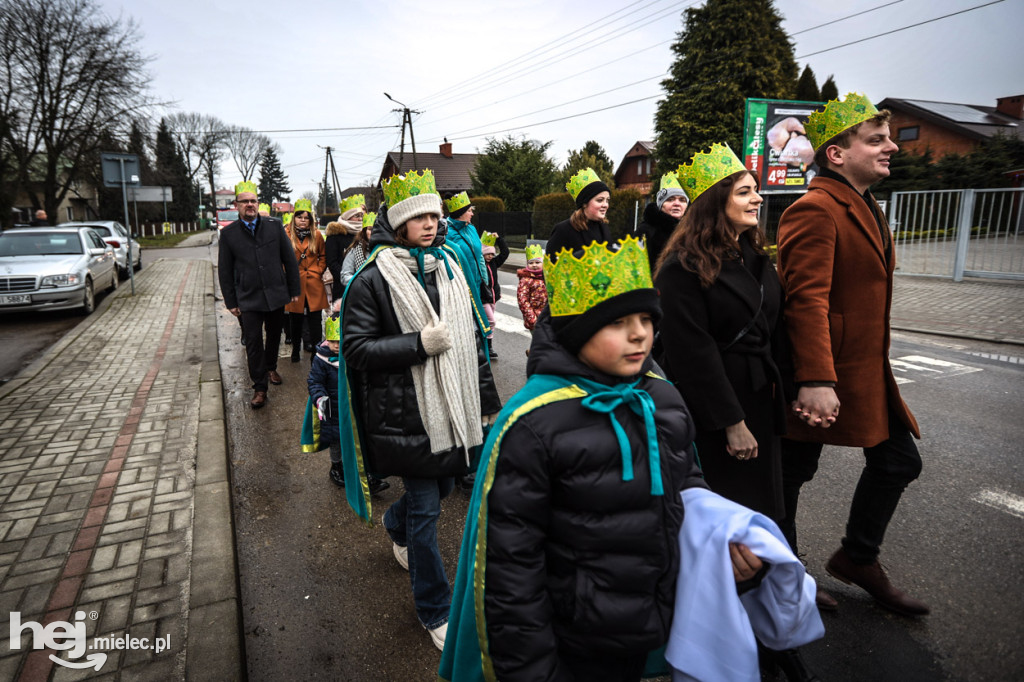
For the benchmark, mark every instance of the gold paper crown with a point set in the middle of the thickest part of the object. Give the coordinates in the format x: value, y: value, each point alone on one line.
x: 368, y: 219
x: 286, y: 218
x: 246, y: 186
x: 489, y: 238
x: 400, y: 187
x: 265, y: 208
x: 705, y: 169
x: 348, y: 203
x: 837, y: 116
x: 575, y: 285
x: 580, y: 180
x: 303, y: 205
x: 534, y: 251
x: 458, y: 201
x: 669, y: 180
x: 332, y: 328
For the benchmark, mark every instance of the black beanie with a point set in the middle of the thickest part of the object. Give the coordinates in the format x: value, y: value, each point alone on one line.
x: 573, y: 331
x: 589, y: 192
x: 459, y: 211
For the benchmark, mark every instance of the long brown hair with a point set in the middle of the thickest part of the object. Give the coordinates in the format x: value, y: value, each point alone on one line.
x: 362, y: 239
x: 578, y: 220
x: 315, y: 238
x: 704, y: 236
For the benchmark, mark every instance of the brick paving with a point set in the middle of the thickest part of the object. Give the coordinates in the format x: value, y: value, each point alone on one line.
x: 98, y: 485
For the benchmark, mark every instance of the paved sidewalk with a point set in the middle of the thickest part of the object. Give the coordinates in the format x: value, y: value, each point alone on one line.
x: 114, y: 492
x: 201, y: 239
x: 982, y: 309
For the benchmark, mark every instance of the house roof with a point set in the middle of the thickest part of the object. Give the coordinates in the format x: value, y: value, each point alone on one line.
x: 971, y: 120
x: 450, y: 174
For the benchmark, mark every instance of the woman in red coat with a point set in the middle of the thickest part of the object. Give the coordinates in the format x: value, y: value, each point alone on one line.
x: 310, y: 252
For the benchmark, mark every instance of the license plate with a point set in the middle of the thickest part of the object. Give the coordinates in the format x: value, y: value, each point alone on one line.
x: 15, y: 299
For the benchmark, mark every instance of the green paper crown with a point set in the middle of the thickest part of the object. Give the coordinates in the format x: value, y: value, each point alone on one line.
x: 575, y: 285
x: 286, y: 218
x: 669, y: 180
x: 705, y: 169
x: 369, y: 219
x: 534, y: 251
x: 837, y: 116
x: 332, y: 328
x: 246, y: 186
x: 348, y: 203
x: 580, y: 180
x: 401, y: 187
x: 265, y: 207
x: 303, y: 205
x: 489, y: 238
x: 458, y: 201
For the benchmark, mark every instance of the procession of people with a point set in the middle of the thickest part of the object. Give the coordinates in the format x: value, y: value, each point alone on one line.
x: 633, y: 505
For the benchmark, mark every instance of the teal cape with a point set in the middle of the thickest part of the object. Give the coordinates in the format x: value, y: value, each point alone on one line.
x: 466, y: 657
x: 357, y: 490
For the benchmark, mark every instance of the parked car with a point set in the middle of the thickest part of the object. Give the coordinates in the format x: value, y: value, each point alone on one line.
x: 226, y: 216
x: 54, y: 268
x: 115, y: 234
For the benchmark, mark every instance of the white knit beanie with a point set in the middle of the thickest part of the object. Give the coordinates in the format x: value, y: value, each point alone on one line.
x: 412, y: 207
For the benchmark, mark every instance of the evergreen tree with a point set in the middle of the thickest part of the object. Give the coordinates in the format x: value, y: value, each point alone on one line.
x: 727, y: 51
x: 517, y: 171
x: 829, y: 91
x: 595, y: 149
x: 273, y: 183
x: 807, y: 86
x: 580, y: 159
x: 172, y: 171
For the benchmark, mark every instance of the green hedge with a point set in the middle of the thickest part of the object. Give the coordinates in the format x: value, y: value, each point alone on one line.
x: 623, y: 208
x: 550, y: 209
x: 488, y: 204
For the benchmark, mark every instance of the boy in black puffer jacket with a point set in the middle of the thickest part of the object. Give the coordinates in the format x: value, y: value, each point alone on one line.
x: 577, y: 499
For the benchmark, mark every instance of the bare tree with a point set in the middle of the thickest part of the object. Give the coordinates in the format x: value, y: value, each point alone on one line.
x: 246, y: 148
x: 200, y: 139
x: 69, y: 77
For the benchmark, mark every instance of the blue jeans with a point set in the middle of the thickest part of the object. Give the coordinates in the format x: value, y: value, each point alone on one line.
x: 412, y: 522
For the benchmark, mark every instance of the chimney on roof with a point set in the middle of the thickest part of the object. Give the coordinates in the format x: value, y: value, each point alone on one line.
x: 1011, y: 106
x: 446, y: 149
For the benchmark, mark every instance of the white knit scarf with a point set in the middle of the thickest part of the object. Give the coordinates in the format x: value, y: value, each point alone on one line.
x: 447, y: 385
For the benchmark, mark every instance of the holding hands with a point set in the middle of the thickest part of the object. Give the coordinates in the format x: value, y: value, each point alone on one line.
x: 817, y: 405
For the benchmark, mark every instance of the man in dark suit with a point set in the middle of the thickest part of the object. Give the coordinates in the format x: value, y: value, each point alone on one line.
x: 258, y: 276
x: 836, y: 264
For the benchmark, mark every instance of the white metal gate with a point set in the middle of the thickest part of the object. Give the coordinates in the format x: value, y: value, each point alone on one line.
x: 959, y: 232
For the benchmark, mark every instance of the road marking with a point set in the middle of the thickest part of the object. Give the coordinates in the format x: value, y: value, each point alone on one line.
x: 1003, y: 501
x: 513, y: 325
x: 1000, y: 358
x: 511, y: 288
x: 920, y: 366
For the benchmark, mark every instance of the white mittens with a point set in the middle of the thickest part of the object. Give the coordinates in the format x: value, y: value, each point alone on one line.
x: 436, y: 338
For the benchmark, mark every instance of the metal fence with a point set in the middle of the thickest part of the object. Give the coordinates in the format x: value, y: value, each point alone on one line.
x: 514, y: 226
x: 959, y: 233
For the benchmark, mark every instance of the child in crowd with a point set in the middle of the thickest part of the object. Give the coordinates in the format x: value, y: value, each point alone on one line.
x: 495, y: 254
x: 532, y: 292
x: 577, y: 507
x: 323, y: 394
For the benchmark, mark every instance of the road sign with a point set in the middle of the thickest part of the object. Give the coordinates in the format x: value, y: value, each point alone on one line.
x: 150, y: 193
x: 111, y: 163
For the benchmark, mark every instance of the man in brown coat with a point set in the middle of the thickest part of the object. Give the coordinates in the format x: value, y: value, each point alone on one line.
x: 836, y: 263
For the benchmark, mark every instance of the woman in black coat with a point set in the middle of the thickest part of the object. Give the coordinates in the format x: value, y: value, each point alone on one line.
x: 587, y: 223
x: 723, y: 341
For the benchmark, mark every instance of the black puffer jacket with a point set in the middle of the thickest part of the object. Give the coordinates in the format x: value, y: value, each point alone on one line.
x: 380, y: 356
x: 577, y: 558
x: 656, y: 228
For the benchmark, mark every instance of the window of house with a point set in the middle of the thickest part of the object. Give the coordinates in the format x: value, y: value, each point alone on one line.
x: 908, y: 133
x: 71, y: 214
x: 648, y: 165
x: 639, y: 166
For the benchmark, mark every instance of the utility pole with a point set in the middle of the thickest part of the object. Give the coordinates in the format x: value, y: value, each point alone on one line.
x: 329, y: 167
x: 406, y: 120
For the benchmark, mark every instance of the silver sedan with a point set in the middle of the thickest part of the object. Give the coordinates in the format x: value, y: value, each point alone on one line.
x: 54, y: 268
x: 114, y: 233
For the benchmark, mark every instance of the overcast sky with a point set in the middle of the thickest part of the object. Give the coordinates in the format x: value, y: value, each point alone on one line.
x: 477, y: 69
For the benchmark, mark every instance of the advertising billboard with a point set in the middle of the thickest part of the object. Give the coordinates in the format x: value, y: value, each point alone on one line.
x: 776, y: 148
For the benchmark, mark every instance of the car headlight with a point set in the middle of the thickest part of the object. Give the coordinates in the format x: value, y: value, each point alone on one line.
x: 68, y: 280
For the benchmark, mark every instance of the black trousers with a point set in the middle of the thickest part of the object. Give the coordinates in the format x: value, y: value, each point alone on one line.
x: 311, y: 321
x: 889, y: 467
x: 261, y: 357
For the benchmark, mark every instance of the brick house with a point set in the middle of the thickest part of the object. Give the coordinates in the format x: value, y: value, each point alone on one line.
x: 635, y: 170
x: 949, y: 128
x: 451, y: 171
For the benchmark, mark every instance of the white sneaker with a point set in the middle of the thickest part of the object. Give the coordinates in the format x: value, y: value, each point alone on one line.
x: 402, y: 556
x: 438, y: 634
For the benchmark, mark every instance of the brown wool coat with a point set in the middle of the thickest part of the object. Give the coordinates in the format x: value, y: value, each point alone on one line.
x: 311, y: 273
x: 832, y: 264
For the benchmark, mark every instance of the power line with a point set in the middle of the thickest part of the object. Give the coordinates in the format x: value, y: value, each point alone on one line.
x: 848, y: 16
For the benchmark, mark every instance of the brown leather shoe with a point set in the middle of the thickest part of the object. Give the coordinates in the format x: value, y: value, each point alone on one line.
x: 259, y: 399
x: 874, y: 581
x: 825, y: 601
x: 273, y: 377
